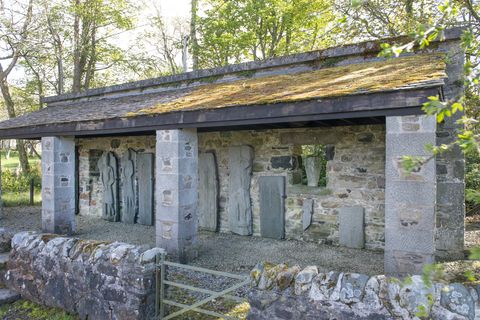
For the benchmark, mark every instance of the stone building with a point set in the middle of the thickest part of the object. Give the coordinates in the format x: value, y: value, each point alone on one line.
x: 223, y: 149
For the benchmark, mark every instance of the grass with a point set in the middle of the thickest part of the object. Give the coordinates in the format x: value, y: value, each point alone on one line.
x: 12, y: 162
x: 15, y: 199
x: 27, y: 310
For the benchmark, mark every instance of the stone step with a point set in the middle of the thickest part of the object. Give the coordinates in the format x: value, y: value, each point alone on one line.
x: 8, y: 296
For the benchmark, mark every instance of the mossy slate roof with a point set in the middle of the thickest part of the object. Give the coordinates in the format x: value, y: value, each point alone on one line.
x: 370, y: 77
x: 380, y: 75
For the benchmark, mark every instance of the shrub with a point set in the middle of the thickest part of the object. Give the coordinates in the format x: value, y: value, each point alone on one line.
x: 13, y: 182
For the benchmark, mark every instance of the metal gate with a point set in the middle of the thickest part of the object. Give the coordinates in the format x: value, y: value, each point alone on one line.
x: 161, y: 281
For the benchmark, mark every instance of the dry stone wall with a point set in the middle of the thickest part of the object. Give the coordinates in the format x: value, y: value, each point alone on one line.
x: 282, y: 292
x: 96, y: 280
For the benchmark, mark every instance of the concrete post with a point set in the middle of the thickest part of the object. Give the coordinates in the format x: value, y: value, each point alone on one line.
x: 410, y: 198
x: 58, y: 185
x: 176, y: 179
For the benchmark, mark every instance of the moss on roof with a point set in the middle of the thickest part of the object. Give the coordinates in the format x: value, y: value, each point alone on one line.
x: 369, y: 77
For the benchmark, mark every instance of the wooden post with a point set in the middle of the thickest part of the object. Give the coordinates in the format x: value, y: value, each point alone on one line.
x: 32, y: 191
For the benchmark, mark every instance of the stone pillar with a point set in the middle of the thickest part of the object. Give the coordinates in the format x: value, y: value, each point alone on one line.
x: 176, y: 179
x: 451, y: 167
x: 58, y: 185
x: 410, y: 198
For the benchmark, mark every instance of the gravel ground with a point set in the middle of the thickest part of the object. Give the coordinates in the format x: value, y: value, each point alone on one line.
x: 228, y: 252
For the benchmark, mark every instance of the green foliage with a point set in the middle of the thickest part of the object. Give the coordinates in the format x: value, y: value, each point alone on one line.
x: 319, y: 152
x: 472, y: 178
x: 13, y: 182
x: 432, y: 273
x: 233, y: 31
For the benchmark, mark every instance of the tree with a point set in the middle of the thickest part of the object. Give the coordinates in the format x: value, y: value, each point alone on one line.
x: 239, y: 30
x: 14, y: 35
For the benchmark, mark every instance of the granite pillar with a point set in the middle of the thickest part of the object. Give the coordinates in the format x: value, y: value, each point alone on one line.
x: 58, y: 185
x: 176, y: 193
x: 410, y: 197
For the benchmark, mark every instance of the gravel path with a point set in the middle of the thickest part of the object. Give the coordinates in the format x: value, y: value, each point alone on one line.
x: 230, y: 252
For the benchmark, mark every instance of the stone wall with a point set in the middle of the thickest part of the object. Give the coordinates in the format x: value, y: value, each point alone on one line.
x: 95, y: 280
x: 89, y: 151
x: 291, y: 293
x: 355, y: 176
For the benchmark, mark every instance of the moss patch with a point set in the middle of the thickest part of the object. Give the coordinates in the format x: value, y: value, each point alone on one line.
x: 27, y: 310
x: 392, y: 74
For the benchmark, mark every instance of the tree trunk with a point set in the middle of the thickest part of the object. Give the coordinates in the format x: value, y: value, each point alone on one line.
x: 193, y: 34
x: 22, y: 153
x: 22, y: 156
x: 77, y: 68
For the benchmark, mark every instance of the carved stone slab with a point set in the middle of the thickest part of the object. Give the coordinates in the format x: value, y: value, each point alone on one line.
x: 145, y: 188
x: 207, y: 191
x: 239, y: 203
x: 307, y: 213
x: 351, y: 229
x: 129, y: 190
x: 272, y: 208
x: 107, y: 165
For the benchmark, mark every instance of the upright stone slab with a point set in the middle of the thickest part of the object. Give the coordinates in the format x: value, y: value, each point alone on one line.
x: 207, y: 191
x: 129, y: 190
x: 351, y: 227
x: 307, y: 209
x: 145, y: 188
x: 58, y: 185
x: 240, y: 163
x: 410, y: 198
x: 108, y: 168
x: 176, y: 180
x: 272, y: 207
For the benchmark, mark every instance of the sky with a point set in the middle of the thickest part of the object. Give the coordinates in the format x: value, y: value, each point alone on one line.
x: 174, y: 8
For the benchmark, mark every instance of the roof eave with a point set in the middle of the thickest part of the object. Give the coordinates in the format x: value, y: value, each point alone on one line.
x: 393, y: 103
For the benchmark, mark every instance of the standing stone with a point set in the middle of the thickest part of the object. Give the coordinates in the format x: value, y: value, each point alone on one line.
x: 129, y: 195
x: 207, y: 191
x: 272, y: 208
x: 239, y: 202
x: 145, y: 188
x: 410, y: 197
x: 108, y: 168
x: 176, y: 193
x: 307, y: 213
x: 58, y: 185
x: 312, y: 169
x: 351, y: 228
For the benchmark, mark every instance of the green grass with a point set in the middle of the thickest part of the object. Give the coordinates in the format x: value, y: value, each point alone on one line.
x: 27, y: 310
x: 12, y: 162
x: 15, y: 199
